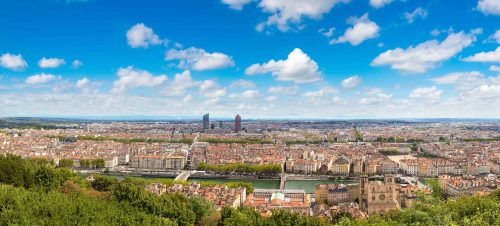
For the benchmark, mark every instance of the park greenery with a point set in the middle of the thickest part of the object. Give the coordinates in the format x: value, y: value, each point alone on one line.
x: 35, y: 192
x: 427, y: 155
x: 92, y: 163
x: 265, y: 169
x: 237, y: 141
x: 398, y: 140
x: 154, y: 140
x: 66, y: 163
x: 121, y: 140
x: 388, y: 152
x: 482, y: 139
x: 296, y: 142
x: 27, y: 125
x: 357, y: 134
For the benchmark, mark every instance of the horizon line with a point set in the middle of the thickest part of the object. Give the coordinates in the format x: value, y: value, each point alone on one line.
x: 179, y: 118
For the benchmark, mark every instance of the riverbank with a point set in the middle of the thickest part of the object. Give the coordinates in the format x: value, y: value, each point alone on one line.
x: 173, y: 174
x: 307, y: 183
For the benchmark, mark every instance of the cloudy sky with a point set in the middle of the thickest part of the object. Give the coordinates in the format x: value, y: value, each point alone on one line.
x: 256, y: 58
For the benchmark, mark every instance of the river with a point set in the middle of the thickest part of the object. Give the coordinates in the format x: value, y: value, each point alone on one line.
x: 307, y: 185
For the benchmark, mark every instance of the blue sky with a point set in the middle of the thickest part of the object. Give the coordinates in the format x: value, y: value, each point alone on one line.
x: 257, y: 58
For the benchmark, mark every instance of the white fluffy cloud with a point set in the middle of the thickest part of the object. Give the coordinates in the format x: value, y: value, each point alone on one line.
x: 13, y: 62
x: 131, y: 77
x: 208, y: 85
x: 140, y: 35
x: 461, y: 78
x: 496, y: 36
x: 319, y: 93
x: 417, y: 13
x: 250, y: 94
x: 282, y: 90
x: 211, y: 90
x: 362, y: 29
x: 426, y: 93
x: 351, y: 82
x: 40, y: 79
x: 453, y: 77
x: 379, y: 3
x: 76, y: 64
x: 492, y: 56
x: 271, y: 98
x: 236, y: 4
x: 50, y: 62
x: 187, y: 98
x: 489, y: 7
x: 374, y: 96
x: 472, y: 85
x: 327, y: 32
x: 285, y: 13
x: 82, y: 83
x: 199, y: 59
x: 180, y: 83
x: 243, y: 83
x: 494, y: 68
x: 85, y: 86
x: 426, y: 55
x: 486, y: 91
x: 216, y: 93
x: 298, y: 68
x: 337, y: 100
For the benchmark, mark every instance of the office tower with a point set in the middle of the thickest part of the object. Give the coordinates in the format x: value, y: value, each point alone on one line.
x: 206, y: 122
x: 237, y: 123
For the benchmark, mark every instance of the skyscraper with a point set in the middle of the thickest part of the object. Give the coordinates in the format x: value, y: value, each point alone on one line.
x: 206, y: 122
x: 237, y: 123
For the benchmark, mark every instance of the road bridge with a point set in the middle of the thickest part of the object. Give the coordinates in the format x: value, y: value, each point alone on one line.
x: 283, y: 178
x: 185, y: 174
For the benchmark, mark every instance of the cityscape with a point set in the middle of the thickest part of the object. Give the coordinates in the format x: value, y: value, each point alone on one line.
x: 250, y: 112
x: 313, y: 168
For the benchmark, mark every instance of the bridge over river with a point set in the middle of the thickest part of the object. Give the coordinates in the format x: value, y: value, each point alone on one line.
x: 282, y: 178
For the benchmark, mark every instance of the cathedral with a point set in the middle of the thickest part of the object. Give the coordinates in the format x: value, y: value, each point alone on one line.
x: 377, y: 197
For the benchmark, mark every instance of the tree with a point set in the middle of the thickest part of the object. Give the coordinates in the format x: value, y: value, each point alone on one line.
x: 98, y: 163
x: 47, y: 178
x: 16, y: 171
x: 128, y: 190
x: 210, y: 220
x: 85, y: 164
x: 201, y: 207
x: 103, y: 183
x: 66, y: 163
x: 233, y: 217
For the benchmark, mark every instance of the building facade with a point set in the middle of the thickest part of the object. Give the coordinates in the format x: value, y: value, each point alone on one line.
x: 206, y: 122
x: 331, y: 194
x: 377, y: 197
x: 159, y: 162
x: 237, y: 123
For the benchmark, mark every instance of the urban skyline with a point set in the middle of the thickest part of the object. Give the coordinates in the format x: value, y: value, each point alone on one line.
x: 338, y: 59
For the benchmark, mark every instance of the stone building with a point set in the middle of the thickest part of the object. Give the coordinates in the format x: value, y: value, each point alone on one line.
x: 265, y: 200
x: 377, y: 197
x: 158, y: 162
x: 331, y: 194
x: 340, y: 167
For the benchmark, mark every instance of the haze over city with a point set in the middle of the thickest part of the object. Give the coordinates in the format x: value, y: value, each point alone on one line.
x: 263, y: 59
